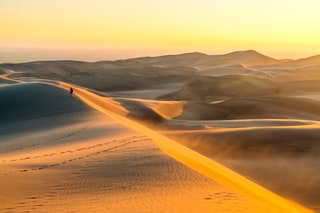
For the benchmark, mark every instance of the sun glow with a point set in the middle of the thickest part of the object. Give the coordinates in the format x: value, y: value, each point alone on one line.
x: 280, y: 29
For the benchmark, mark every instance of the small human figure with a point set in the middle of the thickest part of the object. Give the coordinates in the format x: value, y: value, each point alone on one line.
x: 71, y: 91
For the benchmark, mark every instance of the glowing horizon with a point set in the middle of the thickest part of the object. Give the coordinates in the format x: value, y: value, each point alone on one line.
x: 285, y: 29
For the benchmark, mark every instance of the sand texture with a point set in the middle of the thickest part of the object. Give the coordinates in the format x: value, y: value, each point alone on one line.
x: 178, y: 133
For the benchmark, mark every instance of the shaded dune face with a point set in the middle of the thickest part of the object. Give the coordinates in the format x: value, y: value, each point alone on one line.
x: 28, y: 107
x: 4, y: 81
x: 35, y: 100
x: 140, y: 112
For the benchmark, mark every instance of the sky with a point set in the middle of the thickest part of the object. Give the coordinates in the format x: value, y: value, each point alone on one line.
x: 113, y: 29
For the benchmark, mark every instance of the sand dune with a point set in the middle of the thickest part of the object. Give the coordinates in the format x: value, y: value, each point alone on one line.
x: 249, y: 58
x: 206, y: 88
x: 101, y: 76
x: 254, y: 141
x: 202, y: 164
x: 200, y: 60
x: 99, y: 162
x: 254, y: 114
x: 249, y: 108
x: 38, y: 100
x: 265, y: 154
x: 232, y: 70
x: 303, y: 61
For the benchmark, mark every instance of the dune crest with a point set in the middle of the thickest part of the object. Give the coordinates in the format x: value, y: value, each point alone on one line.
x: 200, y: 163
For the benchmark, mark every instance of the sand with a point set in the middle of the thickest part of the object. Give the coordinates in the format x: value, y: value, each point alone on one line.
x: 186, y: 133
x: 94, y: 163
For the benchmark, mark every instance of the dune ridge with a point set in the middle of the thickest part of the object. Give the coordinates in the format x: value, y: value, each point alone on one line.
x: 200, y: 163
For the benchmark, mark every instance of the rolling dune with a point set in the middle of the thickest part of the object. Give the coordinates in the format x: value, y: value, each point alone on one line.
x: 249, y: 108
x: 206, y: 88
x: 161, y: 134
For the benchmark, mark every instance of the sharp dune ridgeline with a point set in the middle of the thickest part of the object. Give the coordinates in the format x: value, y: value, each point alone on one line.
x: 178, y: 133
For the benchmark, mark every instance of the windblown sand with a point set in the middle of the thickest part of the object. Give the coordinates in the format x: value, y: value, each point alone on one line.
x: 114, y: 146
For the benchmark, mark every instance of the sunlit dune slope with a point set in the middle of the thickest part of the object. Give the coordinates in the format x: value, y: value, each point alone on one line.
x: 166, y: 109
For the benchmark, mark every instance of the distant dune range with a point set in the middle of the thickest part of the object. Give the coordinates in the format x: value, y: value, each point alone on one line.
x: 254, y: 114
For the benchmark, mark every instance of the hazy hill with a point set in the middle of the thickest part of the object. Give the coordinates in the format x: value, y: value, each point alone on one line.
x: 200, y: 60
x: 306, y: 61
x: 190, y: 76
x: 206, y: 88
x: 249, y: 58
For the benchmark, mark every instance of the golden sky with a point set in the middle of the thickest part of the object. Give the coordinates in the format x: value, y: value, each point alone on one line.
x: 281, y: 29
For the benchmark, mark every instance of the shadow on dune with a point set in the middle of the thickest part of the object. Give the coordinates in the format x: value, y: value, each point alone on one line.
x: 31, y: 100
x: 141, y: 113
x: 22, y: 103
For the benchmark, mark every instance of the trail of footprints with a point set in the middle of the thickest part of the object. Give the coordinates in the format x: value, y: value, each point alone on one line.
x: 222, y: 195
x: 35, y: 202
x: 118, y: 144
x: 63, y: 137
x: 30, y: 203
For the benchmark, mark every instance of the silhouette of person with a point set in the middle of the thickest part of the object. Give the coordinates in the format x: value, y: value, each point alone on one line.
x: 71, y: 91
